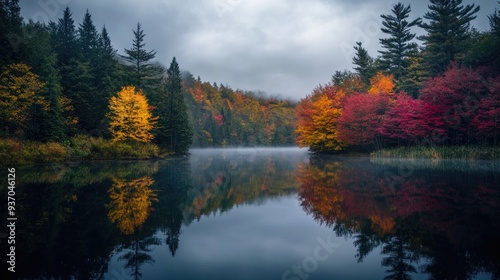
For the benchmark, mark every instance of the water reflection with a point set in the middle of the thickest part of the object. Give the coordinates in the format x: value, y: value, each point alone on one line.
x: 442, y: 223
x: 231, y: 213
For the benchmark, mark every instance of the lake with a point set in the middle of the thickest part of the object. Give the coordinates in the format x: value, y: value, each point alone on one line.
x: 270, y: 213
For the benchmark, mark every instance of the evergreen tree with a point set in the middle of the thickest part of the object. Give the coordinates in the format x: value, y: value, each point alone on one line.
x: 495, y: 23
x: 88, y: 39
x: 47, y: 124
x: 174, y: 130
x: 142, y: 73
x: 398, y: 45
x: 415, y: 74
x: 65, y: 39
x: 65, y: 45
x: 364, y: 63
x: 11, y: 40
x: 89, y: 102
x: 447, y: 29
x: 107, y: 77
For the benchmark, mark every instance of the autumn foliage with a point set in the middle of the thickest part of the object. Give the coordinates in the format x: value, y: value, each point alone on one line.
x: 130, y: 116
x: 318, y: 114
x: 19, y: 89
x: 460, y: 107
x: 362, y: 118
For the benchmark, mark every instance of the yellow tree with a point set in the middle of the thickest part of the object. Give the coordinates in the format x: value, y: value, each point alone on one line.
x: 381, y: 83
x: 130, y: 116
x: 18, y: 92
x: 130, y: 202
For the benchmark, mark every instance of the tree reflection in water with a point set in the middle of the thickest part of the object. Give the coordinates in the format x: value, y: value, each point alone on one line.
x: 129, y: 207
x: 440, y: 222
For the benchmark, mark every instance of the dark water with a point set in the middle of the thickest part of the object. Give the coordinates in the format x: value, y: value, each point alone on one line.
x: 257, y: 214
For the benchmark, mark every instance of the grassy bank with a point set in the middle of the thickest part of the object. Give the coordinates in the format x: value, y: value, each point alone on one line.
x: 76, y: 149
x: 444, y: 152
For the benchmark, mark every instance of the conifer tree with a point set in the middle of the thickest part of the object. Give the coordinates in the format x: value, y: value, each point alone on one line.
x: 143, y: 72
x: 364, y: 63
x: 174, y: 129
x: 107, y: 77
x: 47, y: 124
x: 449, y: 22
x: 397, y: 47
x: 64, y: 40
x: 11, y: 40
x: 88, y: 100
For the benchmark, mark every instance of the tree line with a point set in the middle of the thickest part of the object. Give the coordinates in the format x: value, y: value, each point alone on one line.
x: 442, y: 92
x: 61, y: 79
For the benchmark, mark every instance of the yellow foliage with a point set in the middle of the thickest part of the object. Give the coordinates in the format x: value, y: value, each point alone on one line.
x: 130, y: 116
x: 381, y: 84
x: 317, y: 126
x: 18, y: 92
x: 130, y: 202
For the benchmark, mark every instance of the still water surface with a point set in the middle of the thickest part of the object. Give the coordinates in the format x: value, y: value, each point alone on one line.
x: 259, y: 214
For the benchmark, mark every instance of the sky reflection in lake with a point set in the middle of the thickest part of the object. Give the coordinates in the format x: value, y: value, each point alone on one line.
x: 259, y: 214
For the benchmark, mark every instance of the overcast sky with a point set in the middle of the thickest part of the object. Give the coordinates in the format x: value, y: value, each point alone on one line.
x: 282, y: 47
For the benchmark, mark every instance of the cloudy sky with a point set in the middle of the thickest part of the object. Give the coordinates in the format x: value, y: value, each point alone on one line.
x: 282, y: 47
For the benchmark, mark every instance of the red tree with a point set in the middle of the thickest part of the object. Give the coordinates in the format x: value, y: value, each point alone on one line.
x: 362, y: 118
x: 450, y: 103
x: 403, y: 120
x: 487, y: 119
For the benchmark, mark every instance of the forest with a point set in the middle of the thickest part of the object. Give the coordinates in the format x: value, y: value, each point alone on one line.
x: 66, y: 93
x: 444, y: 92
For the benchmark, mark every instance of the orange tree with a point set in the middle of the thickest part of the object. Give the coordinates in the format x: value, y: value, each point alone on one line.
x: 317, y: 119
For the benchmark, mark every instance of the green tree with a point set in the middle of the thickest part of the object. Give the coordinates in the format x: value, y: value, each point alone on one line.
x: 415, y: 73
x: 107, y: 75
x: 364, y: 63
x: 89, y: 104
x: 397, y: 46
x: 11, y: 40
x: 449, y: 22
x: 64, y: 42
x: 45, y: 124
x: 141, y: 71
x: 174, y: 129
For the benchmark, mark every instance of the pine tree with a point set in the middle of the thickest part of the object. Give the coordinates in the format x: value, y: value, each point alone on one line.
x: 11, y: 39
x: 46, y: 124
x: 107, y: 77
x: 398, y: 45
x: 88, y: 39
x: 88, y: 101
x: 447, y: 29
x: 142, y: 71
x: 364, y: 63
x: 174, y: 130
x: 64, y: 42
x: 65, y: 39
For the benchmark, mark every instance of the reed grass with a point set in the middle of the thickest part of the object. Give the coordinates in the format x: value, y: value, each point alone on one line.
x: 441, y: 152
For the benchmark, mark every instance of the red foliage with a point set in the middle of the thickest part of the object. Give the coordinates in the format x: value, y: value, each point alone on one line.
x: 362, y: 118
x: 403, y: 119
x: 487, y: 119
x: 450, y: 103
x: 219, y: 118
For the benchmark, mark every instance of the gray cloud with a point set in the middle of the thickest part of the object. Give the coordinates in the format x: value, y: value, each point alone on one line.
x: 284, y: 47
